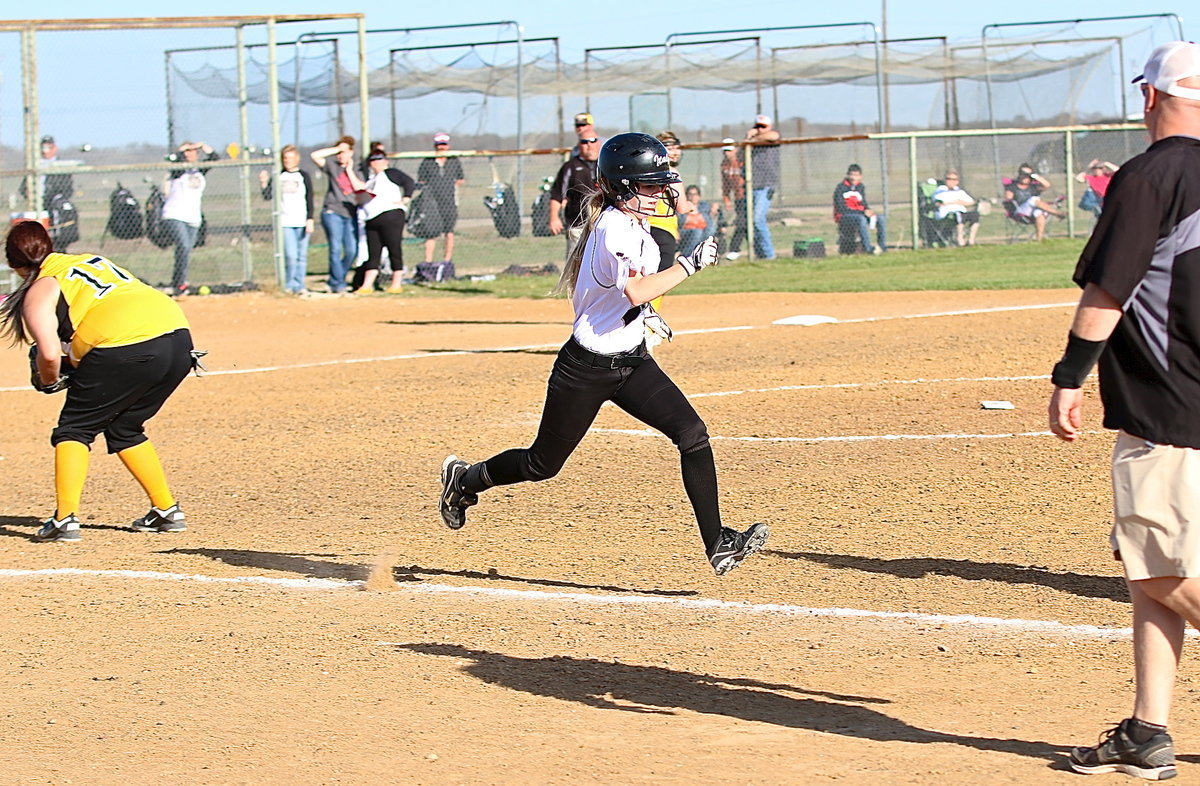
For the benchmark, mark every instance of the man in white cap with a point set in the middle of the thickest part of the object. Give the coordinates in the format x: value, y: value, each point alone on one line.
x: 764, y: 179
x: 1139, y: 316
x: 440, y: 177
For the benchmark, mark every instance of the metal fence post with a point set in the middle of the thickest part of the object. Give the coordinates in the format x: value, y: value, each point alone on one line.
x: 244, y: 172
x: 1069, y: 157
x: 276, y: 141
x: 748, y: 163
x: 912, y: 192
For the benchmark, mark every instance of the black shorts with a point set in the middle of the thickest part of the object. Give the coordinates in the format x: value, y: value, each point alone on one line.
x: 116, y: 390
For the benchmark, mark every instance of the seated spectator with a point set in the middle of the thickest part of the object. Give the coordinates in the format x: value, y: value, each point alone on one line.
x: 953, y: 202
x: 1097, y: 176
x: 855, y: 217
x: 697, y: 224
x: 1024, y: 193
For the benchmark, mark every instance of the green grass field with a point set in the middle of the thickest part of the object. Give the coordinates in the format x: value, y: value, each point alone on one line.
x: 1046, y: 265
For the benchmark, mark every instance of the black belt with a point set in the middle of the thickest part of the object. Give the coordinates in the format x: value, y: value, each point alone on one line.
x: 630, y: 359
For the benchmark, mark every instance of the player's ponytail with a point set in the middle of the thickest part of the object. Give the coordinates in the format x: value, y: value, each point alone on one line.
x: 27, y: 245
x: 595, y: 203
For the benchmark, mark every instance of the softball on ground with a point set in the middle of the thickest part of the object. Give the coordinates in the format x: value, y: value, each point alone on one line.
x: 204, y: 290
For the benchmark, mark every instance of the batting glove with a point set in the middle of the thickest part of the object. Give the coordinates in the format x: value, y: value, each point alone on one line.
x: 704, y: 255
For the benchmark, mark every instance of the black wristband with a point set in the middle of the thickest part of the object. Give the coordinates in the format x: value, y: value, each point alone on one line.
x: 1077, y: 362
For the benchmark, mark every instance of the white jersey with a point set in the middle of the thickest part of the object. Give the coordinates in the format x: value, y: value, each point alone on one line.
x: 385, y: 195
x: 183, y: 197
x: 293, y: 199
x: 619, y: 246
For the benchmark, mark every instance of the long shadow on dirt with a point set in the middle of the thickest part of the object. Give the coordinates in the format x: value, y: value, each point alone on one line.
x: 34, y: 523
x: 19, y: 521
x: 413, y: 572
x: 291, y: 563
x: 656, y: 690
x: 1083, y: 585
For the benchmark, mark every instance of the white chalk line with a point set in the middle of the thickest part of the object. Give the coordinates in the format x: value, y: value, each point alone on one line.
x: 964, y: 312
x: 529, y: 347
x: 701, y: 604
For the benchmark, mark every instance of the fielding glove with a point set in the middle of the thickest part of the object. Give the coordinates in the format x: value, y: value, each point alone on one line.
x: 35, y: 377
x: 704, y: 255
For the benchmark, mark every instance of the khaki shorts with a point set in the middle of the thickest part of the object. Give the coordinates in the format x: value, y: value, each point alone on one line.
x: 1156, y: 508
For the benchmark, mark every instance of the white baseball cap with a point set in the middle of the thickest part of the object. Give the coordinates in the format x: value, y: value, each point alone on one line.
x: 1171, y: 63
x: 729, y: 143
x: 762, y: 120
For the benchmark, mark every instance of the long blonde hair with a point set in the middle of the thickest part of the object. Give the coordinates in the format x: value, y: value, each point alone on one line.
x: 594, y: 204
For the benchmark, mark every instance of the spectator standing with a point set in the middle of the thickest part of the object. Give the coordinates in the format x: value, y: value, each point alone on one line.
x: 1138, y: 315
x: 572, y: 186
x: 1097, y: 176
x: 440, y: 178
x: 57, y: 185
x: 295, y: 216
x: 338, y: 215
x: 391, y: 191
x: 733, y: 194
x: 764, y: 176
x: 585, y: 128
x: 697, y: 224
x: 183, y: 212
x: 854, y: 216
x: 953, y: 202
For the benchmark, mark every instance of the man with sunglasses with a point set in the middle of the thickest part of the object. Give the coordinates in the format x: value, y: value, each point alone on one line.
x: 575, y: 180
x: 1138, y: 317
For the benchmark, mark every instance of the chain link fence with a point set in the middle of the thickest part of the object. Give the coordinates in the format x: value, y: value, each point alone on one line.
x: 98, y: 131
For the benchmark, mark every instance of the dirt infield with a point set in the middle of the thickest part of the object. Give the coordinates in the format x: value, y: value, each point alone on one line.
x: 936, y: 603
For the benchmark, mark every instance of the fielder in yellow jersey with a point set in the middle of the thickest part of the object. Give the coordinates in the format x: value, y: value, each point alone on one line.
x: 106, y: 305
x: 128, y: 347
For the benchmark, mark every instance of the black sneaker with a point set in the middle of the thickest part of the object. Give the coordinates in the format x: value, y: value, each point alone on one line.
x: 54, y: 530
x: 1153, y: 759
x: 158, y: 520
x: 454, y: 502
x: 734, y: 546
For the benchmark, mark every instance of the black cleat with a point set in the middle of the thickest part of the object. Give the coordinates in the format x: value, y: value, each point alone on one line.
x: 734, y: 546
x: 454, y: 502
x: 1153, y: 759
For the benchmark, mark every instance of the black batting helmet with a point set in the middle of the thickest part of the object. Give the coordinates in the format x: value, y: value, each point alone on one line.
x: 632, y: 158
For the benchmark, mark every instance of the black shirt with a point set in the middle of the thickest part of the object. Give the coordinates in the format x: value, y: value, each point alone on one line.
x: 575, y: 180
x: 1145, y: 253
x: 440, y: 182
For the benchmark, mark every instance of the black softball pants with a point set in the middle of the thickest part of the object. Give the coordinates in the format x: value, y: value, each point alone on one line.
x: 385, y: 230
x: 574, y: 396
x: 116, y: 390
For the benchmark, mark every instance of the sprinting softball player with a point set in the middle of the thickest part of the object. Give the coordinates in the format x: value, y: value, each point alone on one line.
x: 129, y: 348
x: 610, y: 276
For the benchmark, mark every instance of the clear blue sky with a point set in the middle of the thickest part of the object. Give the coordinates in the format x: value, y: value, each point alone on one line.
x: 79, y: 85
x: 582, y: 25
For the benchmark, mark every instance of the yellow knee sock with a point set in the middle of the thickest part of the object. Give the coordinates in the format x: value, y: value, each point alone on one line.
x: 70, y: 471
x: 142, y: 462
